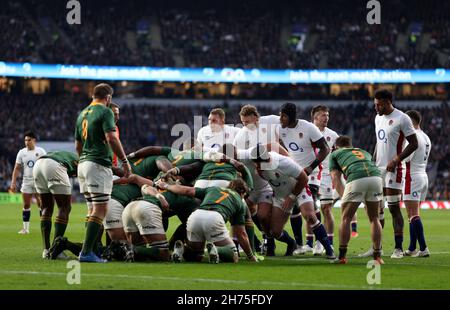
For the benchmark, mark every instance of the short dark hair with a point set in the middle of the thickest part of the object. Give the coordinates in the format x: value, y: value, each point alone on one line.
x: 383, y: 94
x: 239, y: 186
x: 344, y: 141
x: 415, y: 116
x: 114, y: 105
x: 29, y: 134
x: 319, y: 108
x: 101, y: 91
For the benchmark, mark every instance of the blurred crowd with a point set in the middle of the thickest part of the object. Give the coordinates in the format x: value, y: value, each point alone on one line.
x: 53, y: 119
x: 245, y: 34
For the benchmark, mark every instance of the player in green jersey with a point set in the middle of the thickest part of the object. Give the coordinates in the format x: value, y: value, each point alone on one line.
x: 94, y: 135
x: 51, y: 175
x: 364, y: 184
x: 207, y: 223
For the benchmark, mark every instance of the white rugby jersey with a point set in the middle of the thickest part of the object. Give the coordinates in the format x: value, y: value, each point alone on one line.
x: 416, y: 163
x: 213, y: 140
x: 330, y: 137
x: 27, y: 158
x: 281, y: 174
x: 266, y: 132
x: 391, y: 131
x: 298, y: 141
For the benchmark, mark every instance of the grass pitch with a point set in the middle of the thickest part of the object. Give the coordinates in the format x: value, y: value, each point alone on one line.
x: 21, y: 265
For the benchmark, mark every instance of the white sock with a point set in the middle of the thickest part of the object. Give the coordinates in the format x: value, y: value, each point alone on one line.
x: 26, y: 225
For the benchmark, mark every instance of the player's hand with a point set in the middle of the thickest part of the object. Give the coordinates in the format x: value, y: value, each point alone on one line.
x: 171, y: 172
x: 12, y: 189
x: 287, y: 204
x: 253, y: 259
x: 392, y: 164
x: 161, y: 184
x: 307, y: 170
x: 237, y: 164
x: 126, y: 169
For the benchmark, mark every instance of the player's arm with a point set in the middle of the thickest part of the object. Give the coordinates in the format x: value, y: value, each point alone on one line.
x: 239, y: 232
x: 147, y: 151
x: 278, y: 148
x: 117, y: 148
x: 177, y: 189
x: 413, y: 144
x: 302, y: 182
x: 163, y: 164
x: 185, y: 169
x: 15, y: 174
x: 134, y: 179
x: 324, y: 150
x: 78, y: 147
x: 336, y: 179
x: 374, y: 155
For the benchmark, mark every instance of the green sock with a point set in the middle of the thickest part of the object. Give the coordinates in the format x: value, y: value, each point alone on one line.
x: 60, y: 227
x: 46, y: 227
x: 143, y: 253
x: 250, y: 230
x: 93, y: 228
x: 74, y: 248
x: 226, y: 253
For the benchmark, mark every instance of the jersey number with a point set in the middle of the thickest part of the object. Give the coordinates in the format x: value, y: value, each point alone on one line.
x: 358, y: 154
x: 84, y: 129
x: 222, y: 198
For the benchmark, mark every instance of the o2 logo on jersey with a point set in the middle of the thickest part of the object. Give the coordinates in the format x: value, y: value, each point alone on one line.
x: 30, y: 164
x: 382, y: 135
x: 294, y: 147
x: 414, y: 194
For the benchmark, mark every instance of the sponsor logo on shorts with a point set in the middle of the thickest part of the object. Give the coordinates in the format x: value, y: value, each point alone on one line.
x: 149, y: 227
x: 390, y: 182
x: 328, y: 189
x: 303, y: 196
x: 113, y: 221
x: 93, y: 185
x: 414, y: 194
x: 217, y: 235
x: 54, y: 180
x: 328, y: 139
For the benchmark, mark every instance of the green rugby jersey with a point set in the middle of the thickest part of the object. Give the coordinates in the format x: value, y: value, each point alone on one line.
x: 225, y: 201
x: 224, y: 171
x: 92, y: 124
x: 145, y: 167
x: 125, y: 193
x: 179, y: 205
x: 182, y: 158
x: 354, y: 163
x: 67, y: 159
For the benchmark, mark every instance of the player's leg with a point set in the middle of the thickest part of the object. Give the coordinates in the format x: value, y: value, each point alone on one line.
x: 296, y: 224
x: 193, y: 249
x: 62, y: 219
x: 26, y: 213
x: 96, y: 185
x: 327, y: 210
x: 348, y: 210
x: 393, y: 197
x: 375, y: 228
x: 113, y: 223
x: 46, y: 220
x: 148, y: 218
x: 309, y: 232
x: 264, y: 216
x: 220, y: 246
x: 412, y: 200
x: 355, y: 225
x: 278, y: 220
x: 309, y: 214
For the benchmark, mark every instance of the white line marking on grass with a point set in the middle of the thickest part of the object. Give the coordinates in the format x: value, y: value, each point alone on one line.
x: 125, y: 276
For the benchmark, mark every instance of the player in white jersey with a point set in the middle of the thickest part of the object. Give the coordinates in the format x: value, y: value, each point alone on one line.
x: 290, y: 187
x: 392, y: 127
x: 256, y: 130
x: 416, y: 188
x: 320, y: 115
x: 216, y: 134
x: 26, y: 158
x: 301, y: 138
